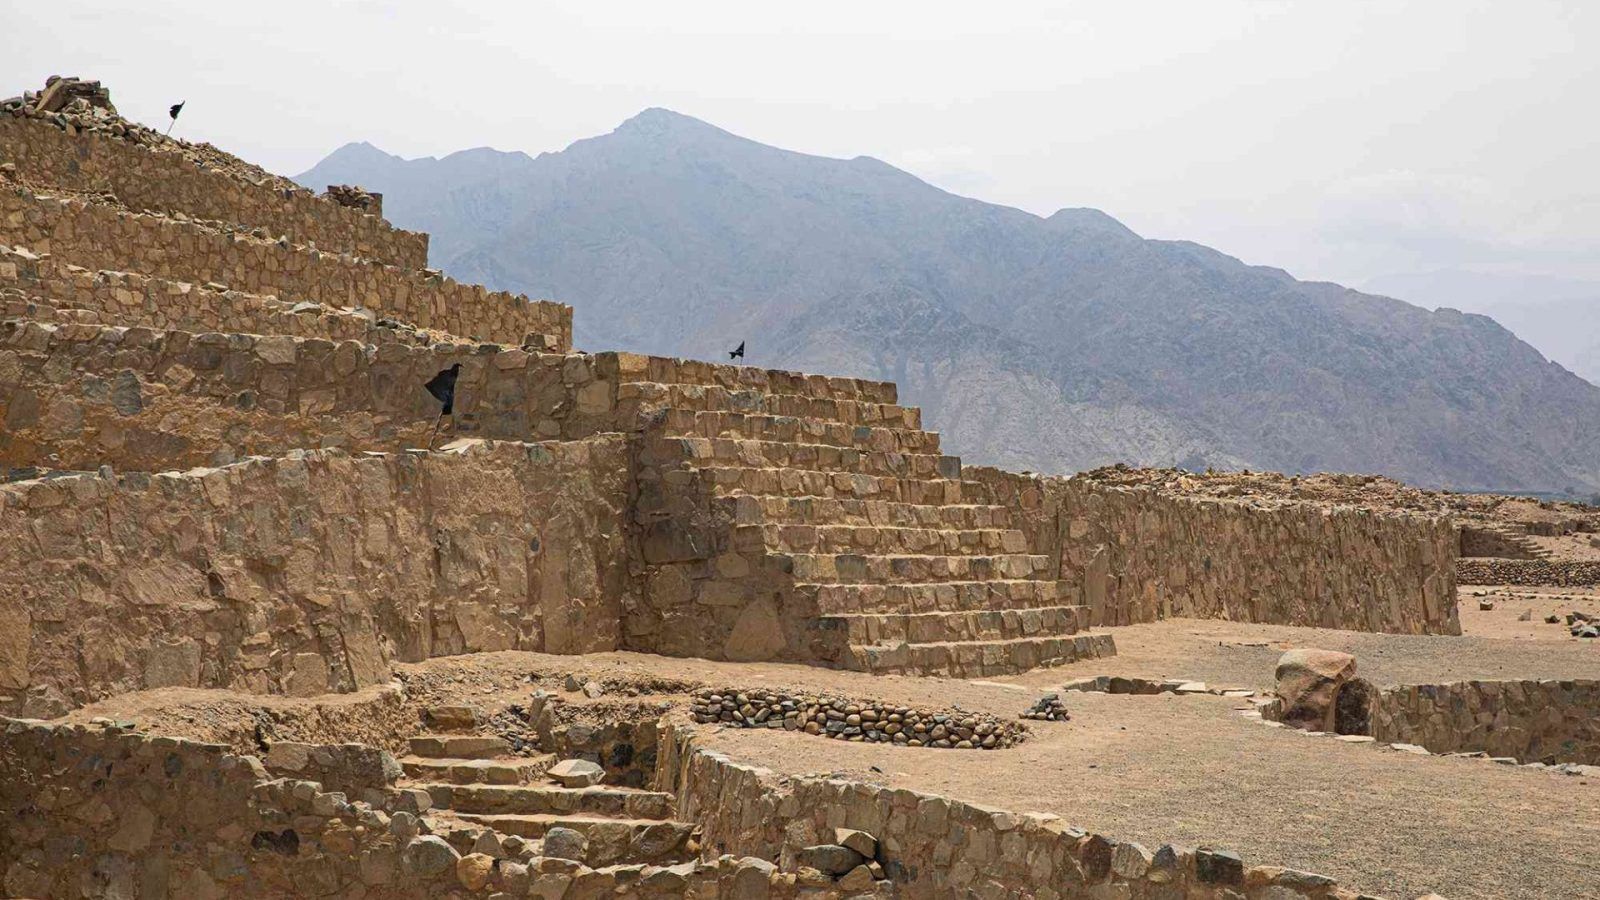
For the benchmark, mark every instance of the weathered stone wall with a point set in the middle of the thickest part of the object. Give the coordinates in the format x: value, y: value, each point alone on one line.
x: 147, y: 178
x: 934, y: 847
x: 81, y: 396
x: 1529, y: 721
x: 97, y: 812
x: 101, y: 236
x: 1137, y: 555
x: 1498, y: 541
x: 1528, y: 572
x: 45, y: 290
x: 310, y: 572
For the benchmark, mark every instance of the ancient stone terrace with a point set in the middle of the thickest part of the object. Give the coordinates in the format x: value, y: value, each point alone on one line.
x: 227, y: 478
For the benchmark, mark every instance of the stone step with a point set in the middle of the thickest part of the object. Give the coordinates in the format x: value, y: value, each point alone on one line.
x: 950, y: 596
x: 186, y: 182
x: 706, y: 397
x: 458, y: 746
x: 58, y: 292
x: 72, y: 228
x: 633, y: 368
x: 722, y: 423
x: 549, y: 799
x: 732, y: 481
x: 753, y: 510
x: 966, y: 625
x: 875, y: 539
x: 494, y: 770
x: 855, y: 568
x: 970, y: 659
x: 610, y: 841
x: 815, y: 457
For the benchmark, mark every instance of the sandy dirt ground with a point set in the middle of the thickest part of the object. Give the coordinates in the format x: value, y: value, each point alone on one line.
x: 1156, y: 769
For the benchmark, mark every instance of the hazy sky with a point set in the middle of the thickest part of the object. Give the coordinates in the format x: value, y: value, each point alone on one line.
x: 1339, y: 140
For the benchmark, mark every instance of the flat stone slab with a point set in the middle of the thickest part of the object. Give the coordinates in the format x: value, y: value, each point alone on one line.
x: 577, y: 773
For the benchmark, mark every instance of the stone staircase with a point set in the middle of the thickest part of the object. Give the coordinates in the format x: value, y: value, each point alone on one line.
x: 479, y: 780
x: 783, y: 516
x: 829, y: 495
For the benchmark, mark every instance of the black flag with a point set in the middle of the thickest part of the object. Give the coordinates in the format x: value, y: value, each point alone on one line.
x: 173, y: 111
x: 738, y: 352
x: 443, y: 388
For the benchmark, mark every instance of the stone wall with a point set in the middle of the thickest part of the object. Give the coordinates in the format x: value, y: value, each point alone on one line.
x: 170, y: 182
x: 1529, y: 572
x: 934, y: 847
x: 102, y: 236
x: 1138, y: 555
x: 45, y: 290
x: 310, y: 572
x: 1529, y: 721
x: 80, y: 396
x: 98, y: 812
x: 1494, y: 540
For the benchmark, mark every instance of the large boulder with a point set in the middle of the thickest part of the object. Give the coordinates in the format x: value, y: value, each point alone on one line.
x: 1309, y: 682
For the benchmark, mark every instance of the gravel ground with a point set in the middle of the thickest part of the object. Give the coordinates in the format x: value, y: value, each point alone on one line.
x: 1157, y: 769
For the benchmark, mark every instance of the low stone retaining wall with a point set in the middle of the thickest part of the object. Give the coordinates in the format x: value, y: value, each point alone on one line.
x: 310, y: 572
x: 934, y: 847
x: 1140, y: 555
x: 856, y: 720
x: 1528, y: 572
x: 94, y: 811
x: 1529, y: 721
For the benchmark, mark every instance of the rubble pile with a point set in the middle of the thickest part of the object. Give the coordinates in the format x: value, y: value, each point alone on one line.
x: 854, y: 720
x: 1048, y: 708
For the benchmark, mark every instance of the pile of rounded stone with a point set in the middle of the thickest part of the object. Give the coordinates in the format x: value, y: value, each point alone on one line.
x: 856, y: 720
x: 1048, y: 708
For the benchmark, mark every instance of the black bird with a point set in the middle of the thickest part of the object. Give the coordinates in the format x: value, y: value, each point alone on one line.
x: 443, y: 388
x: 737, y: 352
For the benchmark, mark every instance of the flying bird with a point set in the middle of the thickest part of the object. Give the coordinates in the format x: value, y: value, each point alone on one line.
x: 737, y: 352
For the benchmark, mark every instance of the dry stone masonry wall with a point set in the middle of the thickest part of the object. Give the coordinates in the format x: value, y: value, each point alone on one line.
x: 310, y: 572
x: 934, y: 847
x: 1529, y: 721
x: 1138, y: 555
x: 162, y: 178
x: 43, y: 290
x: 78, y: 396
x: 855, y: 720
x: 1529, y: 572
x: 100, y: 236
x: 95, y: 811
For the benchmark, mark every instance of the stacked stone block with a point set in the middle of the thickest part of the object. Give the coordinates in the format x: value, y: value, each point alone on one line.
x: 814, y: 519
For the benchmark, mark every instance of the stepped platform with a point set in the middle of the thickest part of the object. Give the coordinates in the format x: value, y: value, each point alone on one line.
x: 96, y: 233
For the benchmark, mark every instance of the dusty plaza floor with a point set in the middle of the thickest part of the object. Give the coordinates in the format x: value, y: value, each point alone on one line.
x: 1188, y: 770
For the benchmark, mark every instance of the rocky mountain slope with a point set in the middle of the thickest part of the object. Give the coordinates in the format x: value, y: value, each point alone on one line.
x: 1050, y: 344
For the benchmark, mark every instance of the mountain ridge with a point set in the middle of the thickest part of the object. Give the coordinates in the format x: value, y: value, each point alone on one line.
x: 671, y: 235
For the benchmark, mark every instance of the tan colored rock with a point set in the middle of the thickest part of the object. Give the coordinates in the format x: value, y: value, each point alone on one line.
x: 474, y: 871
x: 577, y: 773
x: 1309, y: 681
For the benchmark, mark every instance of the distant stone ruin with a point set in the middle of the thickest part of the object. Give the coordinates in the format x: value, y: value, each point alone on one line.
x: 226, y: 478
